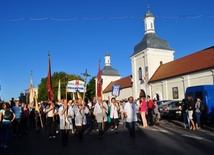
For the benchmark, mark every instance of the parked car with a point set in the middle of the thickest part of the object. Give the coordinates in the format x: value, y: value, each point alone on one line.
x: 171, y: 109
x: 162, y: 101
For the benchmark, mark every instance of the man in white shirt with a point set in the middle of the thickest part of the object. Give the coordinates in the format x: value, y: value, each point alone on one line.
x: 65, y: 116
x: 100, y: 113
x: 80, y: 117
x: 130, y: 113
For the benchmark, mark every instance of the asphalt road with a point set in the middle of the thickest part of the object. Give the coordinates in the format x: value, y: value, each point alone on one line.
x: 168, y: 138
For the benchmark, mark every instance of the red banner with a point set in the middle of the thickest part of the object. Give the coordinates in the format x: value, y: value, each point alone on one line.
x: 99, y: 82
x: 49, y: 83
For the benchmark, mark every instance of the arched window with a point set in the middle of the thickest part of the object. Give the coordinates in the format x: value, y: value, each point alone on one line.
x: 140, y: 73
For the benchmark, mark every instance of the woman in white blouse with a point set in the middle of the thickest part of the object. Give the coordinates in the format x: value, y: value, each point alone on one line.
x: 114, y: 114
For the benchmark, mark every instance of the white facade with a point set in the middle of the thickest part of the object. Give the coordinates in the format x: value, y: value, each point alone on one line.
x: 147, y: 61
x: 164, y: 89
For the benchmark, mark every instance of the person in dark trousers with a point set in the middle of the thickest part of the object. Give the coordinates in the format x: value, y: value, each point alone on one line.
x: 65, y: 118
x: 150, y: 109
x: 51, y: 127
x: 130, y: 113
x: 184, y: 113
x: 17, y: 110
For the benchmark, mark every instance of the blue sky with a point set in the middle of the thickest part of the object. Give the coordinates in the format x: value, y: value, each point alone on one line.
x: 78, y: 33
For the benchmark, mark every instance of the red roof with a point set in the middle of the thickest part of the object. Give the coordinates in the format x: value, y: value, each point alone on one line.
x: 125, y: 82
x: 200, y: 60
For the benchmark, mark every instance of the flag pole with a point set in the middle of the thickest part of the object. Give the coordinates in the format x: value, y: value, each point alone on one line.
x: 37, y: 108
x: 99, y: 92
x: 66, y: 99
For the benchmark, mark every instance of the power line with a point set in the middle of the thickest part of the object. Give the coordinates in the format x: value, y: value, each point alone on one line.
x: 102, y: 18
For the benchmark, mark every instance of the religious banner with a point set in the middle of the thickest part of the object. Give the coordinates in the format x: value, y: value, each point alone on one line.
x: 75, y: 86
x: 49, y: 82
x: 116, y: 90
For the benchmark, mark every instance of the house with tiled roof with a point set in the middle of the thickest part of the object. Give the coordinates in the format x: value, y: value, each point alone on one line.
x: 171, y: 79
x: 125, y: 88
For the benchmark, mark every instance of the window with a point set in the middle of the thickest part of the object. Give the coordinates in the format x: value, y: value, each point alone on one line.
x: 140, y: 73
x: 175, y: 92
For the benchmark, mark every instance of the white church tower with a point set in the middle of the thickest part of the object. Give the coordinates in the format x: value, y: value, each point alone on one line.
x: 147, y: 56
x: 108, y: 74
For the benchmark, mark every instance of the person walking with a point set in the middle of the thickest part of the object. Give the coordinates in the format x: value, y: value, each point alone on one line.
x: 100, y: 113
x: 17, y: 110
x: 5, y: 124
x: 190, y: 107
x: 184, y: 113
x: 198, y: 113
x: 114, y: 114
x: 130, y: 113
x: 150, y: 109
x: 66, y: 114
x: 156, y: 112
x: 80, y: 118
x: 50, y: 121
x: 143, y: 111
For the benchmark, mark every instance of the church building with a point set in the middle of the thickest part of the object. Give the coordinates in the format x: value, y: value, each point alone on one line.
x: 156, y: 73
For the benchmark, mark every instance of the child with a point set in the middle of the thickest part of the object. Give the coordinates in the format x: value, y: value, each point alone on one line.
x: 156, y: 112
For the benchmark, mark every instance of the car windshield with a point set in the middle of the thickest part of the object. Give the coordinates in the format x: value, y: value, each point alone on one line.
x: 165, y: 103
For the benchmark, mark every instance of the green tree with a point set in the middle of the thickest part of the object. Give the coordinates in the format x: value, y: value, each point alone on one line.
x: 91, y: 88
x: 42, y: 88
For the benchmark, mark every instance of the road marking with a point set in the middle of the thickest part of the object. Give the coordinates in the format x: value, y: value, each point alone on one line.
x: 192, y: 136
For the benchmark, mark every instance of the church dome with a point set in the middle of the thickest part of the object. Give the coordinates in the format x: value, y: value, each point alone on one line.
x: 109, y: 71
x: 148, y: 14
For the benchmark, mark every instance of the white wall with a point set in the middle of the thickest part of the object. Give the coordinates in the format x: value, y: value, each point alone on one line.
x: 164, y: 88
x: 150, y: 58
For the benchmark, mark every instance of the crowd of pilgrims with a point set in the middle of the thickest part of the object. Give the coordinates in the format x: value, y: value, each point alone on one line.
x: 77, y: 117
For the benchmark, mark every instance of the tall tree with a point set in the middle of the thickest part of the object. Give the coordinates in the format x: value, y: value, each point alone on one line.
x: 42, y: 91
x: 91, y: 88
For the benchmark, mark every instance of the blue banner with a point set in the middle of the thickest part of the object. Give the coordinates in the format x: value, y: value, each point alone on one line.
x: 116, y: 90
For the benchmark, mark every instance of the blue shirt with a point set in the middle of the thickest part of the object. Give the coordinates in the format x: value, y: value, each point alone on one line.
x: 17, y: 111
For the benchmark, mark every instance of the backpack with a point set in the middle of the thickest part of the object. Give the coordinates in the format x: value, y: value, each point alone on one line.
x: 202, y: 107
x: 8, y: 115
